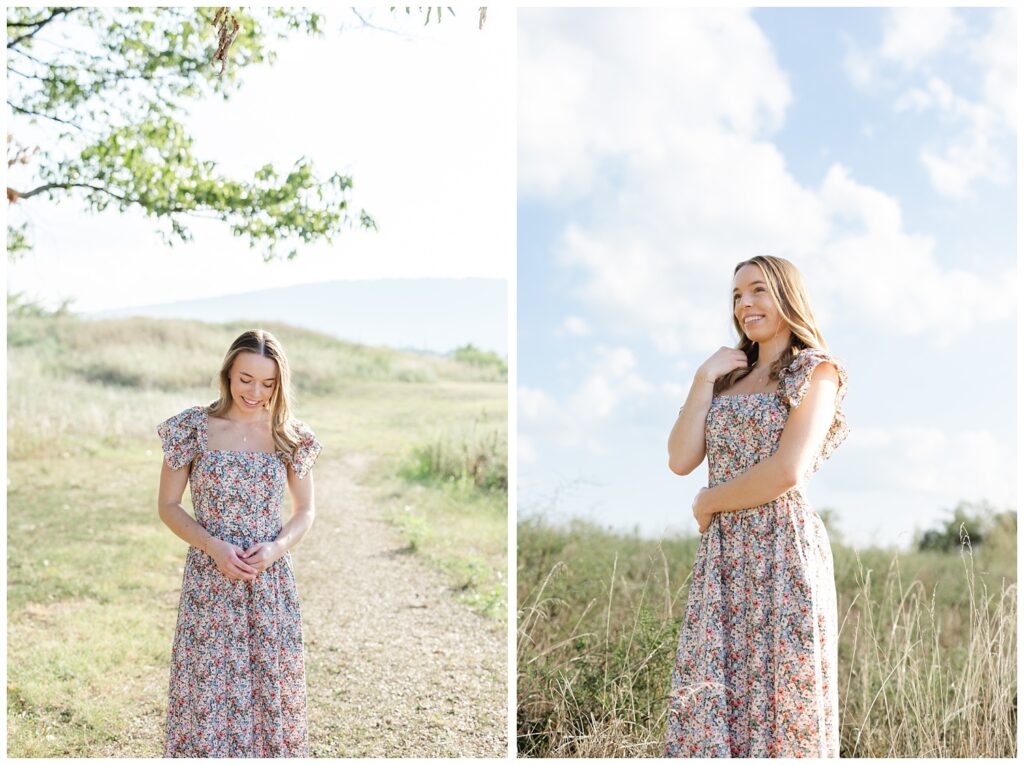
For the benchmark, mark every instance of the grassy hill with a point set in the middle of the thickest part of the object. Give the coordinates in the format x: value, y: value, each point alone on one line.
x: 116, y: 377
x: 94, y: 575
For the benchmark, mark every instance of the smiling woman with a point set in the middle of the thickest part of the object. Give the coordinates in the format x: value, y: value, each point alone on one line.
x: 237, y: 680
x: 755, y: 669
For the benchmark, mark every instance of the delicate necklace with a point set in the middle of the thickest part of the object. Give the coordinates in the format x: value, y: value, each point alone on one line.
x: 757, y: 370
x: 245, y: 431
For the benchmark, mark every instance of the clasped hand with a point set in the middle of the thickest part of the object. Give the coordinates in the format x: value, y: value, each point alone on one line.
x: 701, y: 511
x: 236, y: 563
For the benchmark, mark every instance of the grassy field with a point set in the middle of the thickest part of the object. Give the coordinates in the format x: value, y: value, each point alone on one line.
x: 93, y: 574
x: 927, y: 645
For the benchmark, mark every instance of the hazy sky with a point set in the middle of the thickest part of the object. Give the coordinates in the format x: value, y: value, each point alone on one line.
x: 423, y: 118
x: 437, y: 315
x: 876, y: 149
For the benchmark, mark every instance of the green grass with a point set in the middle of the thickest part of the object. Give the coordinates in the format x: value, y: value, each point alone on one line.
x: 94, y: 576
x: 475, y: 458
x: 463, y: 531
x: 927, y: 645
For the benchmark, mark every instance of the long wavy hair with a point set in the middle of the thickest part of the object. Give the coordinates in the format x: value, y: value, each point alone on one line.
x: 265, y: 344
x: 786, y: 286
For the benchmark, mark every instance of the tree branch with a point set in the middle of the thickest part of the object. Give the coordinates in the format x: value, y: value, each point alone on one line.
x: 36, y: 24
x: 48, y: 186
x: 29, y: 112
x: 31, y: 58
x: 366, y: 23
x: 92, y: 187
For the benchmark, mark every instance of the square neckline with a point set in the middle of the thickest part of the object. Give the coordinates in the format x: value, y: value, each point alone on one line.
x: 778, y: 392
x: 755, y: 393
x: 206, y: 441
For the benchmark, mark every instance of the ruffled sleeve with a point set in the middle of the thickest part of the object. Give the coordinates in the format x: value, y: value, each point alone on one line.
x: 796, y: 381
x: 307, y: 450
x: 181, y: 436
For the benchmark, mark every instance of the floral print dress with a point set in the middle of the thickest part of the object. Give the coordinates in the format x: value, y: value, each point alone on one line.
x: 237, y: 680
x: 755, y: 671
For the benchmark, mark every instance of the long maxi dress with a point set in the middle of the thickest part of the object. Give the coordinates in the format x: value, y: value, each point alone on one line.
x: 755, y: 671
x: 237, y: 678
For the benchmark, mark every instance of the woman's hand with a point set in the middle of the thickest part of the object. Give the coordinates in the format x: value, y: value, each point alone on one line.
x: 721, y: 362
x: 701, y: 511
x: 263, y: 555
x: 229, y: 561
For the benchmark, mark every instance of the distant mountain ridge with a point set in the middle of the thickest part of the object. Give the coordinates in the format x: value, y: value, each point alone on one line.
x: 433, y: 315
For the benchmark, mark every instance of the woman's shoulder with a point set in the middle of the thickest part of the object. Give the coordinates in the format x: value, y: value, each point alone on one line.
x: 797, y: 374
x: 190, y: 417
x: 300, y: 428
x: 806, y: 359
x: 797, y: 382
x: 307, y: 448
x: 180, y: 435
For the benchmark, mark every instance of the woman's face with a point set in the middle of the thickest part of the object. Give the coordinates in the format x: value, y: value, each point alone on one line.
x: 751, y: 299
x: 253, y: 379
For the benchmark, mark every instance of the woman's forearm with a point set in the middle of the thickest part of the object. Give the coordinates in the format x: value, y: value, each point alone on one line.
x: 759, y: 485
x: 185, y: 526
x: 686, y: 445
x: 295, y: 529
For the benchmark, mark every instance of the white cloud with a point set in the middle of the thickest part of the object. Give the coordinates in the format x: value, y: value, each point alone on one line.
x: 916, y: 473
x: 574, y: 325
x: 977, y: 134
x: 911, y: 39
x: 912, y: 35
x: 609, y: 384
x: 534, y: 404
x: 936, y: 94
x: 611, y: 380
x: 527, y: 451
x: 890, y: 279
x: 973, y: 154
x: 995, y: 53
x: 937, y: 464
x: 570, y: 60
x: 858, y: 64
x: 954, y: 169
x: 675, y: 390
x: 683, y: 183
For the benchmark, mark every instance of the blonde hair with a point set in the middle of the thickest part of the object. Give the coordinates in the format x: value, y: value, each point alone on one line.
x: 786, y: 287
x: 265, y: 344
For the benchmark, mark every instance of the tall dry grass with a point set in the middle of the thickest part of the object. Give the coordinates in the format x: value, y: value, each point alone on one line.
x: 475, y: 454
x: 923, y: 679
x: 927, y: 646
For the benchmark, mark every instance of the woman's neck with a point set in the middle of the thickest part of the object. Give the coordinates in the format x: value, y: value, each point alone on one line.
x: 235, y: 414
x: 771, y: 349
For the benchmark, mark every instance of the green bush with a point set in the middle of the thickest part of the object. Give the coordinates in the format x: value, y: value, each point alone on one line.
x: 470, y: 354
x: 477, y: 457
x: 969, y: 522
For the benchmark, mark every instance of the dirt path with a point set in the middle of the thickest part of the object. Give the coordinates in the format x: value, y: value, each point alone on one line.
x: 395, y: 665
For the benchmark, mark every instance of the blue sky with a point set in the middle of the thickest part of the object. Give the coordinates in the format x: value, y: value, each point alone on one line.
x: 874, y: 148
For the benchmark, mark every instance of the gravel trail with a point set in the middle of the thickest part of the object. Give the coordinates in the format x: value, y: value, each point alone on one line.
x: 395, y: 666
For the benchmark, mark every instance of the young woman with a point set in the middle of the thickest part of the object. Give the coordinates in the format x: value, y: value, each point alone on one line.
x: 755, y: 672
x: 237, y: 684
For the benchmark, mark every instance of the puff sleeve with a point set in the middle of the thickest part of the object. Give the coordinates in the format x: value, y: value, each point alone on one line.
x: 180, y: 436
x: 307, y: 450
x: 796, y: 381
